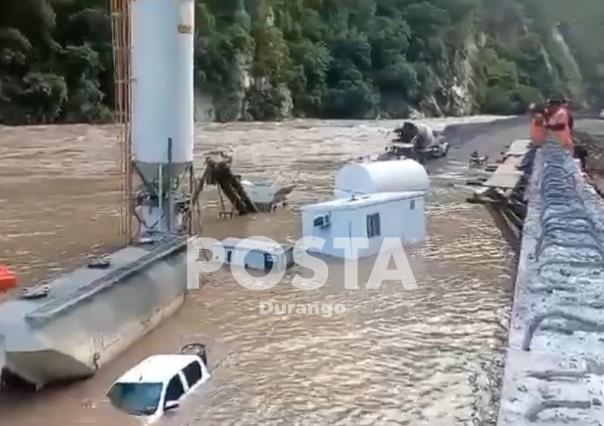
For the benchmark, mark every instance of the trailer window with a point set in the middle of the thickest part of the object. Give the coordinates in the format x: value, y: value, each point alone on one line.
x: 373, y: 225
x: 412, y: 205
x: 322, y: 221
x: 193, y: 373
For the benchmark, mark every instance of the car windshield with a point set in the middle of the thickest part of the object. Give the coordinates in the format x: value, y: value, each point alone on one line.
x: 139, y: 399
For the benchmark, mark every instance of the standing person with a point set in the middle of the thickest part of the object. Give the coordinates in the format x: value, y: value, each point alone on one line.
x: 537, y: 113
x: 558, y: 123
x: 571, y: 119
x: 581, y: 154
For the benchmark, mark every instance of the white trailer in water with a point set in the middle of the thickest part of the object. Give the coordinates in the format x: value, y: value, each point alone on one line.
x: 368, y: 219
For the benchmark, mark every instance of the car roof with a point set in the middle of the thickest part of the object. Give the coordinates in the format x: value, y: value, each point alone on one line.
x: 157, y: 368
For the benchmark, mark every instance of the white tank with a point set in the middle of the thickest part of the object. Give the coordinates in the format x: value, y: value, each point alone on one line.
x: 381, y: 176
x: 162, y: 80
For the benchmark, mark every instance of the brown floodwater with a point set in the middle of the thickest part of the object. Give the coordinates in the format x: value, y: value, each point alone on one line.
x: 428, y: 356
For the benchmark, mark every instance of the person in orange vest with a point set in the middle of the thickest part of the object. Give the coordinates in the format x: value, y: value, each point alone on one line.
x: 571, y: 119
x: 558, y: 123
x: 538, y: 132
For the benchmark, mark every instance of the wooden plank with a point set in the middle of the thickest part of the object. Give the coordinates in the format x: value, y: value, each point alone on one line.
x: 519, y: 147
x: 504, y: 180
x: 513, y: 161
x: 507, y: 175
x: 507, y: 168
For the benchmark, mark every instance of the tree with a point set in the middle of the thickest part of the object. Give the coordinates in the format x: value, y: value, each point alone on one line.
x: 43, y: 95
x: 496, y: 101
x: 15, y: 49
x: 309, y: 80
x: 400, y: 78
x: 253, y: 57
x: 349, y: 99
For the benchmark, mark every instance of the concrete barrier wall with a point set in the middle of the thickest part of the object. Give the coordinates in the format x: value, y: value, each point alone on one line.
x: 554, y: 371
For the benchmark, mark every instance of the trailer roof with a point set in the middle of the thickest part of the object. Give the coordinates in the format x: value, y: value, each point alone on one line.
x: 361, y: 200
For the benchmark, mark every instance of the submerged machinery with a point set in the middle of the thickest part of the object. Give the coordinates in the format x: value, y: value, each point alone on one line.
x: 68, y: 328
x: 162, y: 119
x: 416, y: 141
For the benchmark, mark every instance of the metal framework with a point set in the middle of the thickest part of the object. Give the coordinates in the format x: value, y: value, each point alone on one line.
x: 187, y: 195
x: 120, y: 34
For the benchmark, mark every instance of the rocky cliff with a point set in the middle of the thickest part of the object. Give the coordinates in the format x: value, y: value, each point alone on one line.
x: 394, y: 58
x: 274, y: 59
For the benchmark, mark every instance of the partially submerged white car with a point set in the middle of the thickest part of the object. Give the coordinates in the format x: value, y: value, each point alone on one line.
x: 158, y: 383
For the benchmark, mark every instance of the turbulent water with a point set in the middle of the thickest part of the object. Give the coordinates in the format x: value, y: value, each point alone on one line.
x: 429, y: 356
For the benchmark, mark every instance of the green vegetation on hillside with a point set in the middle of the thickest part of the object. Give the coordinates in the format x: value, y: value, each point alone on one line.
x: 271, y: 59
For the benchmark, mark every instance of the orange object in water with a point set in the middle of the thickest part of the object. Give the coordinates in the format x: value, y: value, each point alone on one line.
x: 8, y: 280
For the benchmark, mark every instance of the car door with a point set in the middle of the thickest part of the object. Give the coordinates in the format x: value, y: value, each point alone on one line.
x: 175, y: 390
x: 268, y: 261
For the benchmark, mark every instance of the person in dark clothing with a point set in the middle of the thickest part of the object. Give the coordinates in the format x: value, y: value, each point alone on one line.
x: 581, y: 153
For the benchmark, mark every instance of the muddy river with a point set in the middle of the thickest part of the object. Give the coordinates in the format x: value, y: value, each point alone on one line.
x: 428, y: 356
